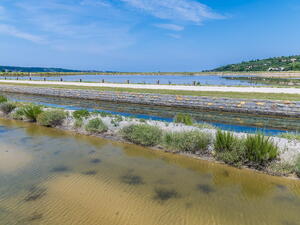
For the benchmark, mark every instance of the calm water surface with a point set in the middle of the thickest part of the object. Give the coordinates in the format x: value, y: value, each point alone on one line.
x: 52, y: 177
x: 150, y: 79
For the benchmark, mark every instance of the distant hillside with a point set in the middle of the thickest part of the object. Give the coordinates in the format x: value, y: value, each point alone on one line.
x: 34, y: 69
x: 284, y: 63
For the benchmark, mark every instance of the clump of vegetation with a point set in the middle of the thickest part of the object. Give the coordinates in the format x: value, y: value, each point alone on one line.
x: 7, y: 107
x: 281, y: 168
x: 51, y: 118
x: 81, y: 114
x: 116, y: 120
x: 183, y: 118
x: 31, y: 111
x: 18, y: 114
x: 78, y: 123
x: 260, y: 149
x: 190, y: 141
x: 142, y: 134
x: 3, y: 99
x: 297, y: 167
x: 204, y: 126
x: 229, y: 148
x: 226, y: 141
x: 96, y: 126
x: 291, y: 136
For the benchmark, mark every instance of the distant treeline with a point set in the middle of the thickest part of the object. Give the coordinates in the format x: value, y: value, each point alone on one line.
x: 283, y: 63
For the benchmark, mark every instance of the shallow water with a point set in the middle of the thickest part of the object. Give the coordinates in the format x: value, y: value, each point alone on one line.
x: 149, y: 79
x: 227, y: 121
x: 64, y: 178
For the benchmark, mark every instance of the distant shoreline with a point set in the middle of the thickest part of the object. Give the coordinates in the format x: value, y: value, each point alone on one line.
x: 256, y: 73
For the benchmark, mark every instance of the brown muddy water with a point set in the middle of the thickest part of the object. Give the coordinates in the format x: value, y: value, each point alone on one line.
x: 53, y: 177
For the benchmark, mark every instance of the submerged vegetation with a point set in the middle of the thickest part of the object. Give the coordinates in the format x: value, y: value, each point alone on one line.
x: 256, y: 151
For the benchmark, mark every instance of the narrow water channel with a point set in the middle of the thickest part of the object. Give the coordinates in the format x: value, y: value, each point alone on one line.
x: 52, y: 177
x: 227, y: 121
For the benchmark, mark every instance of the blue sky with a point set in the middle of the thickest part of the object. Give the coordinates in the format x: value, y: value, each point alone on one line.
x: 146, y: 35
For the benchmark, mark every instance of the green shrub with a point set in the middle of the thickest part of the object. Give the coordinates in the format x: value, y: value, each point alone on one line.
x: 291, y: 136
x: 183, y: 118
x: 96, y: 126
x: 80, y: 114
x: 7, y: 107
x: 3, y: 99
x: 142, y: 134
x: 226, y: 142
x: 190, y: 141
x: 260, y: 149
x: 235, y: 157
x: 31, y: 111
x: 78, y: 123
x: 18, y: 114
x: 297, y: 167
x: 51, y: 118
x: 229, y: 148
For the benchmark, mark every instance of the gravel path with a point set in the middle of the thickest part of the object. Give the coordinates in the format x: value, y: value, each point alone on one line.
x: 166, y: 87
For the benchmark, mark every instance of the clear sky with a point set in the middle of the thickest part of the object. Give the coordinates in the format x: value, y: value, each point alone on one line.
x: 146, y: 35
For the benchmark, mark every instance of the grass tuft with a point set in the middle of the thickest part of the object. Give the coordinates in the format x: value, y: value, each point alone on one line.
x: 51, y: 118
x: 190, y: 141
x: 260, y: 149
x: 31, y: 112
x: 184, y: 119
x: 96, y: 126
x: 142, y: 134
